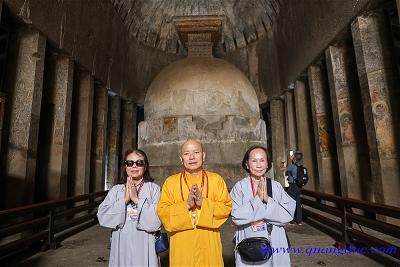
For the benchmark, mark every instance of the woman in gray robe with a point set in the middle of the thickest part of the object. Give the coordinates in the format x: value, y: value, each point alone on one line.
x: 253, y: 209
x: 130, y: 209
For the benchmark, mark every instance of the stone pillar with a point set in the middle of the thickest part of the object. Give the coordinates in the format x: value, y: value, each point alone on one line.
x: 290, y: 119
x: 378, y: 83
x: 128, y: 132
x: 24, y: 119
x: 278, y: 137
x: 305, y: 133
x: 341, y: 82
x: 2, y: 110
x: 113, y: 133
x: 57, y: 172
x: 83, y: 124
x: 398, y: 8
x: 99, y: 139
x: 323, y: 130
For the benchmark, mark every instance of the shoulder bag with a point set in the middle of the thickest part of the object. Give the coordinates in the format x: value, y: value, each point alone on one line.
x: 162, y: 242
x: 256, y: 249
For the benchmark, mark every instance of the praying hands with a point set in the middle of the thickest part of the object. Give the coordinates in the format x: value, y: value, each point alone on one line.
x: 131, y: 193
x: 261, y: 190
x: 195, y: 198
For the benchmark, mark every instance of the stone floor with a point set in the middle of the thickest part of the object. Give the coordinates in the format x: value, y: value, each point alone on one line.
x: 89, y: 248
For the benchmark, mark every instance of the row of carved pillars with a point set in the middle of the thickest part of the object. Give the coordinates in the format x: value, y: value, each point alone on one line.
x: 343, y: 114
x: 62, y: 131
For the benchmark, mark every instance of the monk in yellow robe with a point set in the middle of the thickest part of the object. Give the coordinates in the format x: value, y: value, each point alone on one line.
x: 192, y: 207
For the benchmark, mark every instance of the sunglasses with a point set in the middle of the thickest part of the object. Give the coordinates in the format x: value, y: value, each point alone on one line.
x: 139, y: 163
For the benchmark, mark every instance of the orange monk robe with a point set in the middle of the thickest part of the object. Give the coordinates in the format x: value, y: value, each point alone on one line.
x: 194, y: 244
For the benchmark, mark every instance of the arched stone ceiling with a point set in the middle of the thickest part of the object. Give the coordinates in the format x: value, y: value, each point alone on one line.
x: 151, y: 21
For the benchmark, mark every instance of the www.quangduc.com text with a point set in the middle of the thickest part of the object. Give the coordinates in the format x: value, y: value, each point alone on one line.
x: 309, y: 251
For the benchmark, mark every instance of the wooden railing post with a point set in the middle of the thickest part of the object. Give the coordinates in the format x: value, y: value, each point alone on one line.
x: 2, y: 110
x: 43, y: 229
x: 91, y: 200
x: 345, y: 235
x: 51, y: 243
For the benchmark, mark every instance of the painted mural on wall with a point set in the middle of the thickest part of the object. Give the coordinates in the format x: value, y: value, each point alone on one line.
x: 384, y: 128
x: 317, y: 87
x: 323, y: 134
x: 320, y: 106
x: 382, y: 121
x: 346, y: 122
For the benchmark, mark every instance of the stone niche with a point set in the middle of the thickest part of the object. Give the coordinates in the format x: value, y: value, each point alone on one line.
x: 204, y: 98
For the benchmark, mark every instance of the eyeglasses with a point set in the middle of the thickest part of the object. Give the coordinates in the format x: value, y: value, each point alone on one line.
x: 139, y: 163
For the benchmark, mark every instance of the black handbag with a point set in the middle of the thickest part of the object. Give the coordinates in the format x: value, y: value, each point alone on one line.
x: 254, y: 249
x: 162, y: 242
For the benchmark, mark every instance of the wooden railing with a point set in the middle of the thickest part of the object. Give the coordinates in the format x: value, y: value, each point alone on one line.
x: 340, y: 218
x: 45, y: 224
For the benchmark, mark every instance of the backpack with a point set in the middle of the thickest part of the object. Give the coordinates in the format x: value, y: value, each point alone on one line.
x: 302, y: 176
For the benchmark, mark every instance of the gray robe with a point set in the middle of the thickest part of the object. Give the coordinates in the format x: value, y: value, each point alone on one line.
x: 132, y: 241
x: 247, y: 209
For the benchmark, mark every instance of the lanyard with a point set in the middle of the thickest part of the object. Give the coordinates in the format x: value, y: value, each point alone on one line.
x: 140, y: 187
x: 202, y: 180
x: 203, y: 173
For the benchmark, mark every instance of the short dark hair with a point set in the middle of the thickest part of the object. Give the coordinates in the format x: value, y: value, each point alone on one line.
x: 298, y: 155
x: 146, y: 176
x: 298, y: 152
x: 247, y: 155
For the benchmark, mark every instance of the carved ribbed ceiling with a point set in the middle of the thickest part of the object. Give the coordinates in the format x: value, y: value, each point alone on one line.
x: 151, y: 21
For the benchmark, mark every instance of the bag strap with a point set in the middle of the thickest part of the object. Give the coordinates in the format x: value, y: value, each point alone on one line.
x: 269, y: 187
x: 269, y: 191
x: 299, y: 165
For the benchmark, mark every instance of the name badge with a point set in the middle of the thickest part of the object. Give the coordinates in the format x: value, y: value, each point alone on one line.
x: 194, y: 217
x: 259, y: 226
x: 132, y: 212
